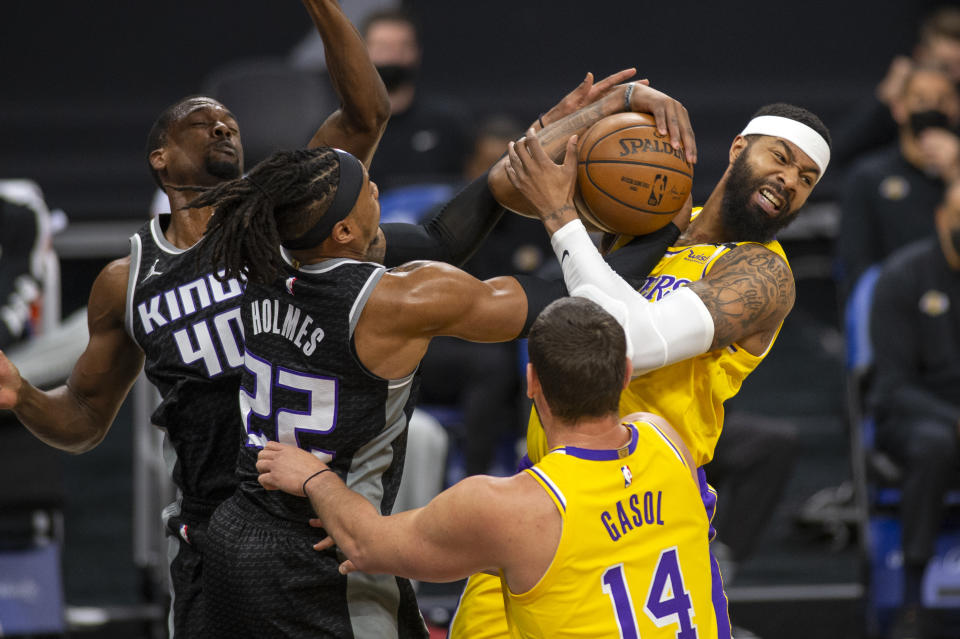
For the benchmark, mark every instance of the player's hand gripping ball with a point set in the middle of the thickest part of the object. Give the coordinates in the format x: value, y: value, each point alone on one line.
x: 629, y: 178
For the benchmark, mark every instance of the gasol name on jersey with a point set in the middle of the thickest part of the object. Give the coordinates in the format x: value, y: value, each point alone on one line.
x: 286, y: 320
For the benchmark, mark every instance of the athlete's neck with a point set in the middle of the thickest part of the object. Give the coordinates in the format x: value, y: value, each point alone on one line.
x: 707, y: 227
x: 603, y: 433
x: 187, y: 226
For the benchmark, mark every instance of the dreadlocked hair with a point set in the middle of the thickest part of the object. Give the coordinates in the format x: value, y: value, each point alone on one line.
x: 280, y: 199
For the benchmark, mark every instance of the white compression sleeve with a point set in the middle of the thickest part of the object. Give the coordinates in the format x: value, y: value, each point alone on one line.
x: 660, y: 333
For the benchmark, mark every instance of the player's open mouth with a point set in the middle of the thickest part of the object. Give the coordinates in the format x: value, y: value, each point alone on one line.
x: 770, y: 201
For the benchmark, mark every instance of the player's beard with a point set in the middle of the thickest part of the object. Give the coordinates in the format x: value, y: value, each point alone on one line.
x: 742, y: 218
x: 222, y: 168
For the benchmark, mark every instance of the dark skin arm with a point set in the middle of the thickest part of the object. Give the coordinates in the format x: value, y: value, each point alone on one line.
x: 364, y: 107
x: 76, y: 417
x: 421, y: 300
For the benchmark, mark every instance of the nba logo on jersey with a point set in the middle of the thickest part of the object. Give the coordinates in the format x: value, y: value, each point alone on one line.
x: 184, y: 534
x: 627, y: 476
x: 290, y: 281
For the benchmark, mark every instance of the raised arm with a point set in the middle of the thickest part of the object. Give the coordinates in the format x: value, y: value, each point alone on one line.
x: 743, y: 299
x: 364, y: 107
x: 439, y: 542
x: 75, y: 417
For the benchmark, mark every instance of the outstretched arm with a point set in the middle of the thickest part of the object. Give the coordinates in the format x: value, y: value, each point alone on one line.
x: 364, y: 107
x: 439, y: 542
x: 77, y: 416
x: 746, y: 295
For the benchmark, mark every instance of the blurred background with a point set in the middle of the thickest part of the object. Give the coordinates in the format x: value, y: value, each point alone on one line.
x: 83, y: 82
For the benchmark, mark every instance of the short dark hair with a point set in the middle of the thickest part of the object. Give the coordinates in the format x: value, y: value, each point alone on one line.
x: 396, y: 14
x: 578, y: 352
x: 158, y: 132
x: 799, y: 114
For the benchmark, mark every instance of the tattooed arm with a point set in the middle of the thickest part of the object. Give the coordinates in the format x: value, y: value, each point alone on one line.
x: 748, y: 293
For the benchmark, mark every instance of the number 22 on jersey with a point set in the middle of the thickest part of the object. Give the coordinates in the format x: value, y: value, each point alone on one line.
x: 320, y: 418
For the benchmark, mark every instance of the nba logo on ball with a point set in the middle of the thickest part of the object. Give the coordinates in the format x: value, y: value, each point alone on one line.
x: 630, y: 179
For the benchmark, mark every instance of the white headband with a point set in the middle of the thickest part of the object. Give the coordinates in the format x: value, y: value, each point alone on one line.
x: 808, y: 140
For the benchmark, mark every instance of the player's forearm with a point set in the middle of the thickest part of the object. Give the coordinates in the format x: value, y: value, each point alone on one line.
x: 60, y: 418
x: 353, y: 523
x: 554, y: 138
x: 364, y: 102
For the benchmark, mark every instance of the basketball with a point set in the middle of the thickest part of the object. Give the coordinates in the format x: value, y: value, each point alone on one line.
x: 629, y: 178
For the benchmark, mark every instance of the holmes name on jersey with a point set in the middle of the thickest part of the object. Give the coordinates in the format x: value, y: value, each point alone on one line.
x: 265, y: 316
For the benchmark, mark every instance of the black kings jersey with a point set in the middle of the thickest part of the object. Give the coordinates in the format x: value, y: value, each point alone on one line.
x: 188, y: 324
x: 302, y: 384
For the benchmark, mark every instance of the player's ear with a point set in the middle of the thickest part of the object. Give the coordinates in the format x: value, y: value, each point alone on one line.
x: 629, y: 373
x: 343, y: 231
x: 739, y: 144
x: 532, y: 381
x: 158, y: 159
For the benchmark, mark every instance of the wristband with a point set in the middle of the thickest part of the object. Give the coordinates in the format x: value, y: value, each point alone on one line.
x: 303, y: 488
x: 626, y: 96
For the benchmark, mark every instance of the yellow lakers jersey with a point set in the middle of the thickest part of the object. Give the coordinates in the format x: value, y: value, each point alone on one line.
x: 689, y: 394
x: 632, y: 560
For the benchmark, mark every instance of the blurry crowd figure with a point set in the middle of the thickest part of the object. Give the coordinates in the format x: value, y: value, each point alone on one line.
x: 870, y: 125
x: 428, y: 137
x: 915, y: 394
x: 890, y: 194
x: 900, y: 208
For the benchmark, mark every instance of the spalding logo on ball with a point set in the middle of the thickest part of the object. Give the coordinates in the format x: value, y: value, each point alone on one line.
x: 630, y: 179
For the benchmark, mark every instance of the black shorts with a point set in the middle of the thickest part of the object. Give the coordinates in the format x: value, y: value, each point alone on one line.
x: 262, y: 579
x: 186, y: 538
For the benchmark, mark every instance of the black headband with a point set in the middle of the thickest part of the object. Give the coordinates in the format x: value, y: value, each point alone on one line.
x: 348, y: 190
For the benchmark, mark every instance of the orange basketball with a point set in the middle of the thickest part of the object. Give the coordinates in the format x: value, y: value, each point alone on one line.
x: 630, y: 179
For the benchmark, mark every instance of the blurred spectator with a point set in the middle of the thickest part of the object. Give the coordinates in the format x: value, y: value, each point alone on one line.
x: 428, y: 137
x: 308, y: 53
x: 890, y: 195
x: 870, y: 125
x: 915, y: 395
x: 484, y: 380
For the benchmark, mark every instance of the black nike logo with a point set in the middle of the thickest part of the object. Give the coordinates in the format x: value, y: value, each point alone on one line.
x: 564, y: 256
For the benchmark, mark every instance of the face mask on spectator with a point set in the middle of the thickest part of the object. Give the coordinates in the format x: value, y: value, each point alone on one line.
x: 930, y: 119
x: 395, y: 75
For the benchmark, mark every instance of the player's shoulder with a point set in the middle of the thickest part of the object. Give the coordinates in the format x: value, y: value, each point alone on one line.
x: 110, y: 288
x: 754, y: 256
